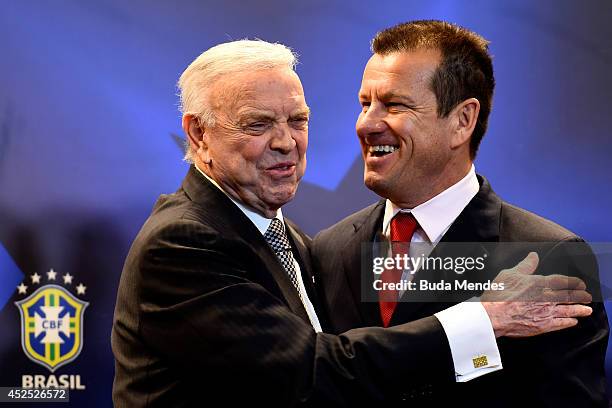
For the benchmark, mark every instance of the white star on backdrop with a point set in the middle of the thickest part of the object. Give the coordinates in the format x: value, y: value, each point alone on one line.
x: 68, y: 279
x: 51, y: 274
x: 22, y: 289
x: 35, y: 278
x: 81, y: 289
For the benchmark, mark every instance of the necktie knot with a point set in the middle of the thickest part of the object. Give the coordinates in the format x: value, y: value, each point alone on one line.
x: 403, y: 226
x: 277, y: 237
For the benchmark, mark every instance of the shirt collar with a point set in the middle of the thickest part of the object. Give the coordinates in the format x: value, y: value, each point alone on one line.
x: 436, y: 215
x: 262, y: 223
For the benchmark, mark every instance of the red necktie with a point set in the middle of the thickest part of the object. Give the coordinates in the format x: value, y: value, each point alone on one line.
x: 403, y: 226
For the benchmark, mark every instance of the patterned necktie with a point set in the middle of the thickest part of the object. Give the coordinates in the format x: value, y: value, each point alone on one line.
x: 277, y: 239
x: 403, y: 226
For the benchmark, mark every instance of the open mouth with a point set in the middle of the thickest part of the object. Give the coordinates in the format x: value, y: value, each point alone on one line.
x: 282, y: 166
x: 281, y: 170
x: 382, y: 150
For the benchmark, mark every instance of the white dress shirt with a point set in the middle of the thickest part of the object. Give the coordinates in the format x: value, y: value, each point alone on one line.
x: 467, y: 325
x: 262, y: 223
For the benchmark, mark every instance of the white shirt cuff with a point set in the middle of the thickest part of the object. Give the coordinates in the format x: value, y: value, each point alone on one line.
x: 471, y: 339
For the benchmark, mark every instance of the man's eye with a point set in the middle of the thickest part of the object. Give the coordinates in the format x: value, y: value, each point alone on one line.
x: 257, y: 126
x: 365, y: 106
x: 299, y: 122
x: 396, y: 106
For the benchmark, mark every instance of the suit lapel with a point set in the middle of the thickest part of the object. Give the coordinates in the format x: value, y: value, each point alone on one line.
x: 234, y: 225
x: 302, y: 254
x: 479, y: 221
x: 356, y: 262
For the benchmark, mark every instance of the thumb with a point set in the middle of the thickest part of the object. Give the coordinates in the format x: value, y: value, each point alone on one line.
x: 528, y: 265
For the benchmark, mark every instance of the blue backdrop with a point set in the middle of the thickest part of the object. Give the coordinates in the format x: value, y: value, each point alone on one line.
x: 89, y: 126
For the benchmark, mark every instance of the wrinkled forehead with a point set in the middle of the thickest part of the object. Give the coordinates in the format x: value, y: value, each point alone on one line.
x: 267, y: 88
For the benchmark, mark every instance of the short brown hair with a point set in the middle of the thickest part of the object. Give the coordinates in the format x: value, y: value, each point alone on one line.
x: 466, y: 69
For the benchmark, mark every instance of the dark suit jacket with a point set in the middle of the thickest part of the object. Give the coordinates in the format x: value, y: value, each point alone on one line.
x: 561, y: 369
x: 206, y: 315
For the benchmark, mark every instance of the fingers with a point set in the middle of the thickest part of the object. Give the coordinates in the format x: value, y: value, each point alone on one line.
x: 564, y: 282
x: 565, y: 317
x: 546, y: 326
x: 566, y: 296
x: 569, y: 311
x: 528, y: 265
x: 560, y: 324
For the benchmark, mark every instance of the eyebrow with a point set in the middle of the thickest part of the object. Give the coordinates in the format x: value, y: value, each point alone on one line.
x: 388, y: 96
x: 302, y: 112
x: 269, y: 115
x: 258, y: 115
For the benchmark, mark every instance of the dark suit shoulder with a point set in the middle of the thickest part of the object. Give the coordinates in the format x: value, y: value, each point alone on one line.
x: 175, y: 224
x: 518, y: 224
x: 173, y: 207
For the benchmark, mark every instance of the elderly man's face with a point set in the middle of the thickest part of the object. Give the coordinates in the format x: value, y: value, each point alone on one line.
x: 258, y: 143
x: 405, y: 145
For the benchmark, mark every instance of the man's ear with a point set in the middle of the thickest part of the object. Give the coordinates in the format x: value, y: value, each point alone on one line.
x: 465, y: 115
x: 196, y: 134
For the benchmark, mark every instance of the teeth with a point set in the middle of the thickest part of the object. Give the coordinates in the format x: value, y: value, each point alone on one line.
x: 383, y: 148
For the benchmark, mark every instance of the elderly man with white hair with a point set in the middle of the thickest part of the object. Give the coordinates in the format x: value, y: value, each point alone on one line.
x: 218, y: 303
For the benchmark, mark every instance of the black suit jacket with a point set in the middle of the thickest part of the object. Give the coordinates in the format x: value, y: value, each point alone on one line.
x: 206, y: 315
x: 561, y: 369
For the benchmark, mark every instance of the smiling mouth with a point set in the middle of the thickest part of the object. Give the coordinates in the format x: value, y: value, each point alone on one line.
x: 282, y: 166
x: 382, y: 150
x: 282, y: 171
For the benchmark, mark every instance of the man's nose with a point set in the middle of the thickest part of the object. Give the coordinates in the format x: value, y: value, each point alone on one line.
x: 372, y: 121
x: 283, y: 140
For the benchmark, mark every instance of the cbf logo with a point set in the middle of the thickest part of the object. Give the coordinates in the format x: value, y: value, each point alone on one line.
x: 52, y: 322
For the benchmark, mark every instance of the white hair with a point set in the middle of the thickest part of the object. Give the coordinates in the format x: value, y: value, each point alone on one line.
x: 221, y: 60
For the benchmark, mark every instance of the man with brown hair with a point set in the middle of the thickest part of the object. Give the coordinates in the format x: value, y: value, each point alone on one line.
x: 426, y: 95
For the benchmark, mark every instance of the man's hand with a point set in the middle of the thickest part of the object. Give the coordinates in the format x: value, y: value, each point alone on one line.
x: 533, y: 304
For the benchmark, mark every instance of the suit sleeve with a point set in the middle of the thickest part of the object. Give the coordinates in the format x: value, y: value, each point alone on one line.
x: 566, y: 367
x: 201, y: 310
